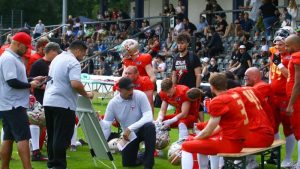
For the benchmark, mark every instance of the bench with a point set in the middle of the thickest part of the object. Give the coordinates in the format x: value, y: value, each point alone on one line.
x: 229, y: 158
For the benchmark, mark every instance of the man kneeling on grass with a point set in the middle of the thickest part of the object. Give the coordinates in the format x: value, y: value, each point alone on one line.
x: 132, y: 110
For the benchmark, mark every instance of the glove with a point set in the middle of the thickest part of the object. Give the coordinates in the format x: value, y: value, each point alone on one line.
x: 167, y: 123
x: 276, y: 59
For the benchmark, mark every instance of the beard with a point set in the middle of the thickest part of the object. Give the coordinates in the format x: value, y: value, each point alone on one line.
x: 20, y: 53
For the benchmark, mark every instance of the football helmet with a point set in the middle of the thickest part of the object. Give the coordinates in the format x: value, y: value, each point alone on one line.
x: 284, y: 32
x: 35, y: 112
x: 112, y: 144
x: 128, y: 48
x: 174, y: 153
x: 162, y: 136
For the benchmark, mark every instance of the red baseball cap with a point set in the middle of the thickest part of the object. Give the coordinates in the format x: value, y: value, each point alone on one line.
x: 24, y: 38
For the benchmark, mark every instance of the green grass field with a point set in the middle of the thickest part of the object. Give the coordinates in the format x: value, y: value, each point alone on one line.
x: 81, y: 159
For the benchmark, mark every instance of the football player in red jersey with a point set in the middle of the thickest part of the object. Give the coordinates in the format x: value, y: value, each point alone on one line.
x: 292, y: 44
x: 142, y: 83
x: 227, y: 113
x: 132, y: 57
x: 184, y: 116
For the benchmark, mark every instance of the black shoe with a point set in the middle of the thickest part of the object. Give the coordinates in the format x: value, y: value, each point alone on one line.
x: 38, y: 156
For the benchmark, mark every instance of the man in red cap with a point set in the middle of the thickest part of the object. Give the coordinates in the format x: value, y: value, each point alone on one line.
x: 14, y: 100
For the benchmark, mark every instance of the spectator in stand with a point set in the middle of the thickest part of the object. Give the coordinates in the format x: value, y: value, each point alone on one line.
x: 215, y: 45
x: 40, y: 52
x: 133, y: 29
x: 245, y: 41
x: 159, y: 66
x: 293, y: 11
x: 38, y: 29
x: 172, y: 10
x: 104, y: 67
x: 221, y: 25
x: 235, y: 56
x: 6, y: 44
x: 179, y: 27
x: 70, y: 21
x: 170, y: 47
x: 189, y: 27
x: 234, y: 29
x: 208, y: 10
x: 180, y: 9
x: 268, y: 11
x: 76, y: 26
x: 244, y: 63
x: 153, y: 45
x: 254, y: 6
x: 247, y: 23
x: 165, y: 10
x: 205, y: 65
x: 285, y: 18
x: 88, y: 66
x: 145, y: 25
x: 212, y: 67
x: 201, y: 26
x: 218, y: 8
x: 186, y: 68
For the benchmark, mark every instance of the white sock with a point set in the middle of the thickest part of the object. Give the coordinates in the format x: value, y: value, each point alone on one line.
x: 221, y: 162
x: 35, y: 136
x: 74, y: 137
x: 214, y: 162
x: 2, y: 135
x: 276, y: 136
x: 202, y: 161
x: 187, y: 161
x: 183, y: 131
x: 289, y: 147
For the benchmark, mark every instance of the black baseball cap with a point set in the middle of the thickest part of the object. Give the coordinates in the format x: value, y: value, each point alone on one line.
x: 125, y: 83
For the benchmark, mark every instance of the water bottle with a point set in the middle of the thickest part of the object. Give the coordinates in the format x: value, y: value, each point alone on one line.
x: 206, y: 104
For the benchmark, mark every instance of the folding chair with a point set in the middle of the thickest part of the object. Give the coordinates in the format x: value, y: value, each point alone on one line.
x: 93, y: 132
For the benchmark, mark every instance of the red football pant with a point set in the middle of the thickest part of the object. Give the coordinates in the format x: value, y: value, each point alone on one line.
x: 295, y: 119
x: 279, y: 104
x: 189, y: 120
x: 213, y: 146
x: 259, y: 138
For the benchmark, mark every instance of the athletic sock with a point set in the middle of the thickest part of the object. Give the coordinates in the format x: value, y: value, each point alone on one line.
x: 35, y: 137
x: 186, y: 160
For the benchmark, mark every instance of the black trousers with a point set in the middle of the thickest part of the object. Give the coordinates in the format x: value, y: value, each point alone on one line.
x: 129, y: 155
x: 60, y: 127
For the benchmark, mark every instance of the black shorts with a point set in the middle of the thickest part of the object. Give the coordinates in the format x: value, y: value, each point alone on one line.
x: 16, y: 124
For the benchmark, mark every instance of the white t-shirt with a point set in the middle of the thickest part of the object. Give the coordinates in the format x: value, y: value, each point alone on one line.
x: 12, y: 67
x: 59, y: 92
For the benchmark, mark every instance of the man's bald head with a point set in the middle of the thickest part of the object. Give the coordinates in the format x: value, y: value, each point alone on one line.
x: 252, y: 76
x: 131, y: 72
x: 292, y: 43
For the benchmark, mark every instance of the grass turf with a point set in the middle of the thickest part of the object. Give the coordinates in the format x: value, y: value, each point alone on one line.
x: 81, y: 159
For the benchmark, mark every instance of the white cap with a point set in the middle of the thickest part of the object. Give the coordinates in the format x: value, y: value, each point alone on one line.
x: 206, y: 59
x: 242, y: 47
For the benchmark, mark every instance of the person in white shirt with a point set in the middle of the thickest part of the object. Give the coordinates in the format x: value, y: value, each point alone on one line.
x: 132, y: 110
x: 39, y: 29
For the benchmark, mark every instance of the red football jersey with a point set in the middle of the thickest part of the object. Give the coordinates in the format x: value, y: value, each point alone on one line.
x: 255, y: 112
x: 178, y: 98
x: 3, y: 47
x: 234, y: 121
x: 32, y: 59
x: 140, y: 62
x: 291, y: 79
x: 142, y: 83
x: 278, y: 81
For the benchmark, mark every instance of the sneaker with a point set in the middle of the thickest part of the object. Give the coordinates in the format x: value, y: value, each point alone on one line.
x: 38, y: 156
x: 73, y: 148
x: 252, y: 165
x: 287, y: 164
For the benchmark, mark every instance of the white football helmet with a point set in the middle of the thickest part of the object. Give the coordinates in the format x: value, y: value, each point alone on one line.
x: 112, y: 144
x: 128, y: 48
x: 162, y: 136
x: 284, y: 32
x: 174, y: 153
x: 36, y: 113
